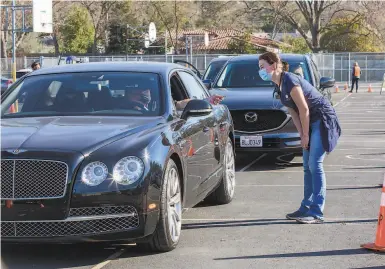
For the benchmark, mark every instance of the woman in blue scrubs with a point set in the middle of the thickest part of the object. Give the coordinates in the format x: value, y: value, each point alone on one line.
x: 318, y: 126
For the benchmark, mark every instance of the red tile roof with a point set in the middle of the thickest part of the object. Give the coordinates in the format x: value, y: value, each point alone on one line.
x: 220, y: 39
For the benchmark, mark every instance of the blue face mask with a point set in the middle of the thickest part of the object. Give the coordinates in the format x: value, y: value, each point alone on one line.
x: 264, y: 75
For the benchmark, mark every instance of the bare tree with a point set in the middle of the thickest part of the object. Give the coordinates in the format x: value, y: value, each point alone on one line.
x: 6, y: 33
x: 173, y: 16
x: 310, y: 18
x: 59, y: 13
x: 99, y: 12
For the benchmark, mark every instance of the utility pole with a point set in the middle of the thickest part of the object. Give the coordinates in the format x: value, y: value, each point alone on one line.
x: 186, y: 48
x: 13, y: 41
x: 191, y: 49
x: 165, y: 44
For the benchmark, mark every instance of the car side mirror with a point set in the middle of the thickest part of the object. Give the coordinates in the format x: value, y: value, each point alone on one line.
x: 196, y: 108
x: 207, y: 83
x: 327, y: 82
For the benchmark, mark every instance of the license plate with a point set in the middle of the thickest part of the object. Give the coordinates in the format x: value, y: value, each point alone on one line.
x: 251, y: 141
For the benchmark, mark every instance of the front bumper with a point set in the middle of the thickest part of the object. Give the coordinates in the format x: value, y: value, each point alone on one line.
x: 272, y: 142
x: 122, y: 223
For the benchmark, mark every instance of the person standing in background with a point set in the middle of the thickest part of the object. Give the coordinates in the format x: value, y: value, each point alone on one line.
x: 355, y: 76
x: 35, y: 66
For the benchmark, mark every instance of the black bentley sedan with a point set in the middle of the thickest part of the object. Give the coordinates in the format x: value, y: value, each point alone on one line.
x: 102, y: 151
x: 262, y: 123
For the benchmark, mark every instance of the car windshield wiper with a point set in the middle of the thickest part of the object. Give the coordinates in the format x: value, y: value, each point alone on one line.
x: 116, y: 112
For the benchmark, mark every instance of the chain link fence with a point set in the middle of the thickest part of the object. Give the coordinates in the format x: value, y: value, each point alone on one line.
x: 336, y: 65
x: 339, y: 65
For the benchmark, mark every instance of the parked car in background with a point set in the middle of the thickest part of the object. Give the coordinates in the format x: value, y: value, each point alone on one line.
x: 214, y: 67
x: 261, y: 122
x: 22, y: 72
x: 212, y: 70
x: 99, y: 152
x: 5, y: 83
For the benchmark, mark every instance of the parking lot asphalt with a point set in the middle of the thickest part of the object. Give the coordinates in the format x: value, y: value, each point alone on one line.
x: 252, y: 231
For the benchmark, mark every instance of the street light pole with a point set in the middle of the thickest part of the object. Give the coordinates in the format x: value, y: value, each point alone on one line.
x: 165, y: 44
x: 13, y: 41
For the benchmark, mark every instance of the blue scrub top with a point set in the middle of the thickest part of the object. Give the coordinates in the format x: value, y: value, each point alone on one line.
x: 319, y: 108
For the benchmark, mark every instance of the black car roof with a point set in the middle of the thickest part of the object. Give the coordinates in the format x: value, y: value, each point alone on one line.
x: 255, y: 57
x: 150, y: 67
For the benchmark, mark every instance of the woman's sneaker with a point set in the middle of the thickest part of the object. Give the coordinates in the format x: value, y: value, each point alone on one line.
x: 309, y: 220
x: 295, y: 215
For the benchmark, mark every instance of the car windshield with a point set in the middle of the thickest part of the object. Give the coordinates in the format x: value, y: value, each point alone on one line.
x: 88, y: 93
x: 245, y: 75
x: 241, y: 75
x: 213, y: 70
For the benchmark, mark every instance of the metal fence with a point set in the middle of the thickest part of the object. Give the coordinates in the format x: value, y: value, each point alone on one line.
x: 339, y: 65
x: 336, y: 65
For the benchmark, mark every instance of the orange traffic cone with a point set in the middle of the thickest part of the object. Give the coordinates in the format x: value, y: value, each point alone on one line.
x: 191, y: 150
x: 370, y: 88
x: 379, y: 244
x: 12, y: 109
x: 337, y: 90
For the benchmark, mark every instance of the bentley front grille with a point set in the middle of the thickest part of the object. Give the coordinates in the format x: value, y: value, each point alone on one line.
x: 98, y: 211
x: 84, y: 224
x: 31, y: 179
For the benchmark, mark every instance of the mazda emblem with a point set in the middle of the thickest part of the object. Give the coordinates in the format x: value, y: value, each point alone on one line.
x: 251, y: 117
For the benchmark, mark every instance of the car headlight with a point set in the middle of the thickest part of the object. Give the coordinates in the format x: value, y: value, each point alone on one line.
x: 128, y: 170
x: 94, y: 173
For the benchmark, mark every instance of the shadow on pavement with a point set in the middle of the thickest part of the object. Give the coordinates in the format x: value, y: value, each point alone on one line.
x: 342, y: 252
x: 259, y: 222
x: 364, y: 168
x: 355, y: 188
x: 54, y: 255
x: 372, y: 154
x: 370, y: 267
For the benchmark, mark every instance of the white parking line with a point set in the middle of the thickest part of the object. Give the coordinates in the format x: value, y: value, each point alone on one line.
x: 253, y: 162
x: 261, y: 220
x: 109, y: 259
x: 358, y: 149
x: 361, y: 119
x: 295, y: 185
x: 343, y: 99
x: 365, y: 129
x: 333, y: 171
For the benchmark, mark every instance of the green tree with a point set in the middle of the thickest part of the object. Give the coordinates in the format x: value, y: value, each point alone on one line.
x: 351, y: 35
x: 124, y: 40
x: 295, y: 45
x: 242, y: 45
x: 77, y: 31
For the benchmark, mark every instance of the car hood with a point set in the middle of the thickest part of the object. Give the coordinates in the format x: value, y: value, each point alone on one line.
x: 248, y: 98
x: 81, y: 134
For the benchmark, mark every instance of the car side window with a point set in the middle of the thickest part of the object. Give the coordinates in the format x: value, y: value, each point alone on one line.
x: 316, y: 73
x: 193, y: 87
x: 178, y: 92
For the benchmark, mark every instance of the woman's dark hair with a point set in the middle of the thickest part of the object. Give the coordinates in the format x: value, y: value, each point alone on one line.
x: 272, y: 58
x: 34, y: 64
x: 285, y: 66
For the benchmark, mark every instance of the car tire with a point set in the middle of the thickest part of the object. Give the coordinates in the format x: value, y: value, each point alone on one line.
x: 168, y: 230
x: 225, y: 191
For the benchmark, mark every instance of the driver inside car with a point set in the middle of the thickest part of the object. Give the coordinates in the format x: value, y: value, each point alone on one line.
x: 139, y: 99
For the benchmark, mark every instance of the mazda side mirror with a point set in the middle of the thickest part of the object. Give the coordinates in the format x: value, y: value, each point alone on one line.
x: 327, y: 82
x: 196, y: 108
